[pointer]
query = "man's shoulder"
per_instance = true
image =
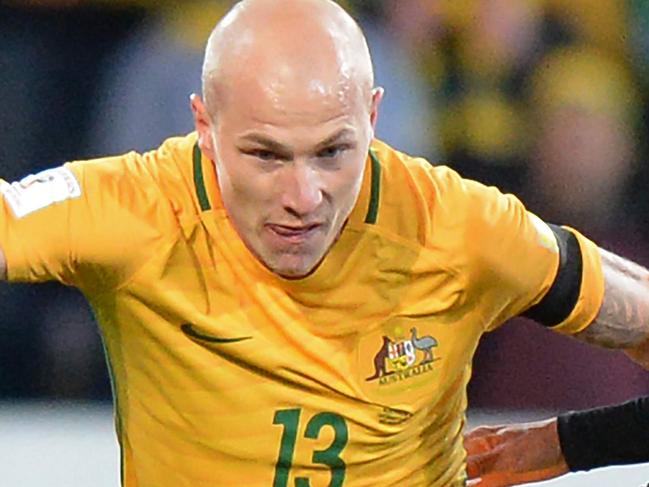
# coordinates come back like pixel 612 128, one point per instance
pixel 417 195
pixel 173 169
pixel 178 149
pixel 423 178
pixel 172 162
pixel 172 159
pixel 138 182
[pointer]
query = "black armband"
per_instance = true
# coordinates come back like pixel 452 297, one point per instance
pixel 614 435
pixel 563 295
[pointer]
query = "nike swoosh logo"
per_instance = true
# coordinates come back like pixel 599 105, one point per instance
pixel 189 330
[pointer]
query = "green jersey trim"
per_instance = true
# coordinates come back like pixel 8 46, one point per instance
pixel 199 180
pixel 375 192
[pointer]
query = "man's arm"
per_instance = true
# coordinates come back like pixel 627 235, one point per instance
pixel 623 319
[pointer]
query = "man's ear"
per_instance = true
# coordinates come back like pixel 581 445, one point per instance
pixel 377 96
pixel 203 125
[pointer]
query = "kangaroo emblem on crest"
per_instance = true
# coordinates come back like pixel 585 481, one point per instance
pixel 379 360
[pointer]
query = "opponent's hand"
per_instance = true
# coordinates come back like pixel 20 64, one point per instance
pixel 514 454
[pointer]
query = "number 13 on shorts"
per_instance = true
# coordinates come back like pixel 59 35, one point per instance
pixel 289 419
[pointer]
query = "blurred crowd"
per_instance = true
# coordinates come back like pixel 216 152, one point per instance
pixel 543 98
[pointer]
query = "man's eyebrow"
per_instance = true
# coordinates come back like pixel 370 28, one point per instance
pixel 267 142
pixel 335 137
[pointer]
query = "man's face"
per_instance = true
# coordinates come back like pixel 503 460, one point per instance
pixel 290 165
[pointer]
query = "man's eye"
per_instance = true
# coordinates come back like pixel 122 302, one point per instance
pixel 264 155
pixel 331 152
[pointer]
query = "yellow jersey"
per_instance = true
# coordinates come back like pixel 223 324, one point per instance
pixel 225 374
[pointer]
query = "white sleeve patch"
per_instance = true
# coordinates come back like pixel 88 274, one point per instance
pixel 545 233
pixel 38 191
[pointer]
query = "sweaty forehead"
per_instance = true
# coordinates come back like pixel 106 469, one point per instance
pixel 290 87
pixel 289 55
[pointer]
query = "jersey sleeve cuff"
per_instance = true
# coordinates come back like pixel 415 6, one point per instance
pixel 592 289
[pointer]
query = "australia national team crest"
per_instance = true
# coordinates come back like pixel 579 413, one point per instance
pixel 398 359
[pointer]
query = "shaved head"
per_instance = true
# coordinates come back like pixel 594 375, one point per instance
pixel 287 117
pixel 305 47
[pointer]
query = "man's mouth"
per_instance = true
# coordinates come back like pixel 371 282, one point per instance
pixel 294 233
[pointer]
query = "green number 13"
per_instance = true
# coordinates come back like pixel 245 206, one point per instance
pixel 289 419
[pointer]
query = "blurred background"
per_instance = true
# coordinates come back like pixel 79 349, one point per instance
pixel 543 98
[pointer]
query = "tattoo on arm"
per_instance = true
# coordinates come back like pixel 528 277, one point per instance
pixel 623 319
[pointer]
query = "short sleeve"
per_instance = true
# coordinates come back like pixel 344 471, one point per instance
pixel 514 259
pixel 591 294
pixel 90 224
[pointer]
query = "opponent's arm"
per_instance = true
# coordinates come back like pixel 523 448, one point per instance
pixel 500 456
pixel 623 319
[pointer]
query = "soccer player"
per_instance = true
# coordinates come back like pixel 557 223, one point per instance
pixel 285 300
pixel 504 455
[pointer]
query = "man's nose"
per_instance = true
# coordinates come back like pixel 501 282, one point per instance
pixel 301 191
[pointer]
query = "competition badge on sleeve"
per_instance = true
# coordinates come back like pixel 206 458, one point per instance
pixel 39 191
